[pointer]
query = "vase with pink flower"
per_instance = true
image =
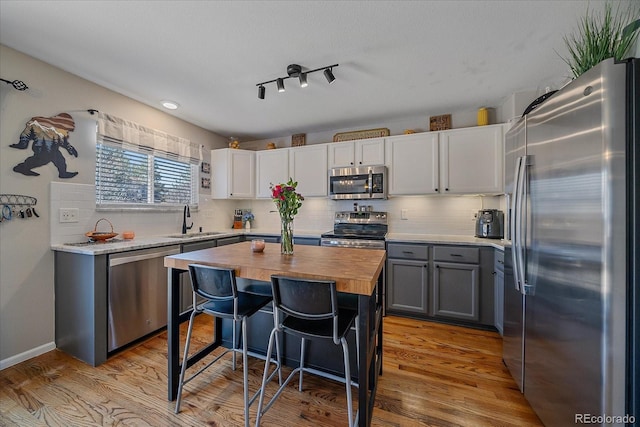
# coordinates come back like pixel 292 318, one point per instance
pixel 288 201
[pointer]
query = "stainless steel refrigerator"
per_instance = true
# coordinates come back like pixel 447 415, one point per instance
pixel 571 315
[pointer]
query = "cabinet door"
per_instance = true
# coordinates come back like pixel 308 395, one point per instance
pixel 308 166
pixel 232 174
pixel 241 174
pixel 456 291
pixel 498 283
pixel 412 161
pixel 369 152
pixel 341 155
pixel 471 160
pixel 407 286
pixel 272 167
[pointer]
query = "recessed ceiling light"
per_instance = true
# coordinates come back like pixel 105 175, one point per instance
pixel 170 105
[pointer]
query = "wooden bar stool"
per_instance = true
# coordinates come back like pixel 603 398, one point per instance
pixel 308 309
pixel 222 299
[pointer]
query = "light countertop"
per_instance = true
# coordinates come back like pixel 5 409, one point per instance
pixel 445 239
pixel 122 245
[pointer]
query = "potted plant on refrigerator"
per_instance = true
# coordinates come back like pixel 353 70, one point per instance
pixel 601 36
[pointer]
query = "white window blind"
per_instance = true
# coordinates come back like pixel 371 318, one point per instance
pixel 139 167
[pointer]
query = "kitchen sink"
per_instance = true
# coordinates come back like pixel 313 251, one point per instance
pixel 188 235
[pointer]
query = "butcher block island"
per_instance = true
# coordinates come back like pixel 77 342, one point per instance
pixel 359 280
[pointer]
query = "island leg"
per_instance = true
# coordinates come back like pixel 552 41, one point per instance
pixel 173 332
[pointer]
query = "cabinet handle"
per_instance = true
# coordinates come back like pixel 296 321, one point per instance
pixel 360 162
pixel 437 189
pixel 446 189
pixel 351 163
pixel 457 255
pixel 494 273
pixel 407 252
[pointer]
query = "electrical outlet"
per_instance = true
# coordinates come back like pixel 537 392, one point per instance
pixel 69 214
pixel 403 214
pixel 474 215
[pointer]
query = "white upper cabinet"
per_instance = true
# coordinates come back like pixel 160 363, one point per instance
pixel 412 163
pixel 232 174
pixel 366 152
pixel 308 166
pixel 272 167
pixel 472 160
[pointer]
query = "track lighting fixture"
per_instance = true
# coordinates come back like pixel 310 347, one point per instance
pixel 295 70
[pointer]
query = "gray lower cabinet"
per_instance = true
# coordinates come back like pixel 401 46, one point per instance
pixel 498 284
pixel 407 279
pixel 456 291
pixel 186 292
pixel 310 241
pixel 451 283
pixel 266 238
pixel 229 240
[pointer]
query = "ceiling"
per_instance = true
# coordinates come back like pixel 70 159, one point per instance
pixel 397 59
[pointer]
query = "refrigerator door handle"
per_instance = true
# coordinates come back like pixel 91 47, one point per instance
pixel 515 220
pixel 522 225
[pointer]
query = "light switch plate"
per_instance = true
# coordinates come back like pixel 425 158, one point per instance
pixel 403 214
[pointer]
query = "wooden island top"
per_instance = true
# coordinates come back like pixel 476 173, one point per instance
pixel 355 271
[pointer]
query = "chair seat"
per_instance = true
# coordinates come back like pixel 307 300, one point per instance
pixel 319 328
pixel 248 304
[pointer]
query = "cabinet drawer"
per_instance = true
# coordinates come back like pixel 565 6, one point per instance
pixel 456 254
pixel 407 251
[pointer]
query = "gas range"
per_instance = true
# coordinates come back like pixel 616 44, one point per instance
pixel 366 230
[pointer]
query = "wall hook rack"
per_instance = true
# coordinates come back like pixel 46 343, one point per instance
pixel 17 200
pixel 17 205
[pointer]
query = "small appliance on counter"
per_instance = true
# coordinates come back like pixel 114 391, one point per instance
pixel 237 219
pixel 490 224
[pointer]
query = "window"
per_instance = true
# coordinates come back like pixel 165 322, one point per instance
pixel 126 177
pixel 141 167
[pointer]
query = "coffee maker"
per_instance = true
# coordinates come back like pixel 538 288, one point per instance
pixel 490 224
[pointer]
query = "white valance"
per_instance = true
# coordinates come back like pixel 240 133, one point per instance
pixel 135 137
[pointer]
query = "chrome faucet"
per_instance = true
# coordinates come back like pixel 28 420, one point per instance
pixel 186 214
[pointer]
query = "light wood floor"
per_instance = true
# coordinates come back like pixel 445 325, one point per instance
pixel 434 375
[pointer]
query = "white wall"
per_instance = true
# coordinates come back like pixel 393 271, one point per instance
pixel 26 262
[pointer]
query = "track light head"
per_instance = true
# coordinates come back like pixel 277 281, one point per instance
pixel 329 75
pixel 303 80
pixel 280 83
pixel 261 91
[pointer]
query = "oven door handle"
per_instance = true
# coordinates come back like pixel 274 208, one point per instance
pixel 370 183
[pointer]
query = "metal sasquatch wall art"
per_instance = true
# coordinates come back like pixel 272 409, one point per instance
pixel 48 135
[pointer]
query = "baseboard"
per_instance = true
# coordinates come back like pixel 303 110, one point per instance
pixel 14 360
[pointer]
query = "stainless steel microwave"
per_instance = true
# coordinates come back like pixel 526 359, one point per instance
pixel 364 182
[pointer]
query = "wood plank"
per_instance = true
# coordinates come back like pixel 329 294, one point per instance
pixel 434 375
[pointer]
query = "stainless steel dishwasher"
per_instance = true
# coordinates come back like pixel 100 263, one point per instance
pixel 137 294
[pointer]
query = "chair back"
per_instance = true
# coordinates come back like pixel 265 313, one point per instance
pixel 305 299
pixel 213 283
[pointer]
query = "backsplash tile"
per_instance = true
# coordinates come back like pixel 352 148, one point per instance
pixel 443 215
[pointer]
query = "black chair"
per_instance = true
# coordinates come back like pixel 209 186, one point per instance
pixel 222 299
pixel 308 309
